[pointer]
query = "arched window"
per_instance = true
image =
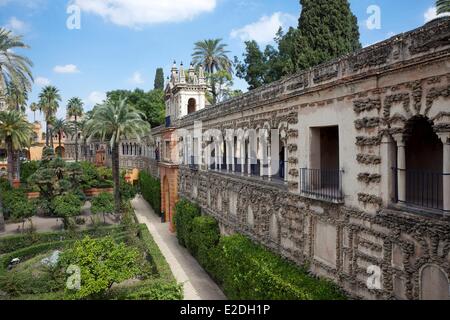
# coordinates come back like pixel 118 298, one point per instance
pixel 192 105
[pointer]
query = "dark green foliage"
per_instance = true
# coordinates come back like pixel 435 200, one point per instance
pixel 245 270
pixel 27 169
pixel 103 203
pixel 203 239
pixel 66 206
pixel 327 30
pixel 16 204
pixel 150 103
pixel 151 190
pixel 185 212
pixel 94 177
pixel 159 79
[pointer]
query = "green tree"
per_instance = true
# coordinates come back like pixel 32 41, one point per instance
pixel 14 69
pixel 103 204
pixel 114 121
pixel 327 30
pixel 16 131
pixel 150 103
pixel 254 68
pixel 34 107
pixel 75 110
pixel 16 97
pixel 49 100
pixel 443 6
pixel 103 262
pixel 159 79
pixel 66 206
pixel 211 55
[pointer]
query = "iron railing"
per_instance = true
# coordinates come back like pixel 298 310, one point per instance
pixel 322 184
pixel 423 188
pixel 193 164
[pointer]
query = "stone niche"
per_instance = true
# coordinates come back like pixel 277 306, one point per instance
pixel 325 237
pixel 434 283
pixel 250 217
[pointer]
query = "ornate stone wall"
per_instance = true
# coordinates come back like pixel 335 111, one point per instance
pixel 370 96
pixel 338 242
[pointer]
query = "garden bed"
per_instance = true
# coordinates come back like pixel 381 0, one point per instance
pixel 30 279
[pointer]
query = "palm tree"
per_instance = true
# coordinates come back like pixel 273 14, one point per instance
pixel 15 131
pixel 75 110
pixel 14 68
pixel 61 127
pixel 16 97
pixel 443 6
pixel 211 54
pixel 114 121
pixel 49 100
pixel 34 107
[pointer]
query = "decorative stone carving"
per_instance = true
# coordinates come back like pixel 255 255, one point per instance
pixel 368 141
pixel 368 159
pixel 369 178
pixel 366 105
pixel 396 98
pixel 430 37
pixel 371 58
pixel 367 123
pixel 369 199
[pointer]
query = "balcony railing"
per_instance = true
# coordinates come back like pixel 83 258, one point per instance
pixel 193 164
pixel 322 184
pixel 424 189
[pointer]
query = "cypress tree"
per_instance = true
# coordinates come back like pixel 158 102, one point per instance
pixel 327 29
pixel 159 79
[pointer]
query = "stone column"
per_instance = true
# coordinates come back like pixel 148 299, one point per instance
pixel 387 180
pixel 242 157
pixel 233 156
pixel 269 162
pixel 227 154
pixel 445 137
pixel 401 167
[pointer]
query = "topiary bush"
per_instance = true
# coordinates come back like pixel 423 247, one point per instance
pixel 204 237
pixel 66 207
pixel 151 190
pixel 185 212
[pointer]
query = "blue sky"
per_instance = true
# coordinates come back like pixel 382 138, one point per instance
pixel 122 42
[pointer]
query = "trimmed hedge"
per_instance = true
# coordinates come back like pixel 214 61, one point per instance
pixel 151 190
pixel 185 213
pixel 17 242
pixel 245 270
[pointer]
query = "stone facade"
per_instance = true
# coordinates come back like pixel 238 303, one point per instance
pixel 353 114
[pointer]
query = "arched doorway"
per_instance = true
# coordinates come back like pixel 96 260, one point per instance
pixel 60 151
pixel 192 105
pixel 424 164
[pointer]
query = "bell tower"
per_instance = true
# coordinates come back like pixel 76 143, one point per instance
pixel 185 91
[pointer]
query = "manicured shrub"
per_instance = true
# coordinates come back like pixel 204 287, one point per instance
pixel 151 190
pixel 66 207
pixel 245 270
pixel 185 212
pixel 204 237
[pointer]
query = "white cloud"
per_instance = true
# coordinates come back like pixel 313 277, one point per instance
pixel 431 14
pixel 42 82
pixel 96 97
pixel 138 13
pixel 263 31
pixel 136 78
pixel 68 68
pixel 16 25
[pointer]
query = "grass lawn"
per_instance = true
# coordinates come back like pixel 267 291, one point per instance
pixel 33 280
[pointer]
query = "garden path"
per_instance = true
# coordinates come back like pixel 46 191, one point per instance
pixel 198 285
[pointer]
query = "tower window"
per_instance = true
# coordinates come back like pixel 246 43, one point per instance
pixel 192 106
